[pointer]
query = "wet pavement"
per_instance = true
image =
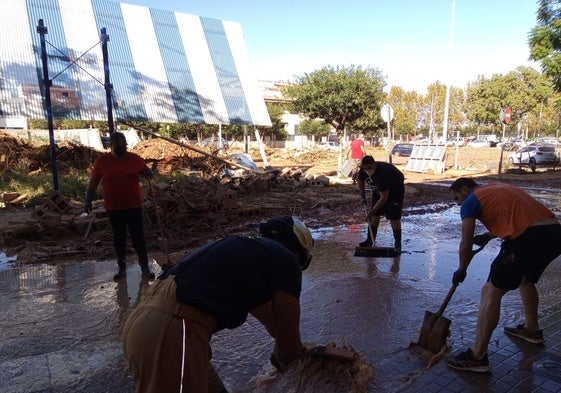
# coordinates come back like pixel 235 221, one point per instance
pixel 60 323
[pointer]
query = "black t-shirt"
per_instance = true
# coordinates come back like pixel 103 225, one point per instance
pixel 229 277
pixel 386 177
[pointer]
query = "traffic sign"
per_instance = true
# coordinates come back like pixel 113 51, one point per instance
pixel 505 115
pixel 387 113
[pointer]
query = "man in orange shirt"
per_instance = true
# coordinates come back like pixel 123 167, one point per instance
pixel 531 240
pixel 120 172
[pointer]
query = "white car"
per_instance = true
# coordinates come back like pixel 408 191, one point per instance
pixel 535 155
pixel 479 143
pixel 328 145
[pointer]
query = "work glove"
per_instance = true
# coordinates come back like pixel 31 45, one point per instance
pixel 88 200
pixel 363 201
pixel 459 276
pixel 482 240
pixel 363 198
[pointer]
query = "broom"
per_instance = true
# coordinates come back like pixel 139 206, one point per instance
pixel 375 252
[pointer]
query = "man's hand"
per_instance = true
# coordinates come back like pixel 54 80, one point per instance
pixel 88 200
pixel 459 276
pixel 363 201
pixel 482 240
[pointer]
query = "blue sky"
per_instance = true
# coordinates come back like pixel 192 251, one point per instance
pixel 408 40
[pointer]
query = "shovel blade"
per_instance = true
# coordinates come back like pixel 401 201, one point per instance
pixel 434 332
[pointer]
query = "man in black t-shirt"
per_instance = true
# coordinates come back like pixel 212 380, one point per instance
pixel 167 336
pixel 388 189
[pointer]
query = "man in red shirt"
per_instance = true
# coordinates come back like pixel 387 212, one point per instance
pixel 120 172
pixel 357 153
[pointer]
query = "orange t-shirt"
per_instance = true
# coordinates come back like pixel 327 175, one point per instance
pixel 120 177
pixel 505 210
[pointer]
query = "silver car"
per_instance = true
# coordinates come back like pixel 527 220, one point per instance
pixel 535 155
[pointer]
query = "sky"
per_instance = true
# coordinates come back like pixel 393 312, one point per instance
pixel 413 43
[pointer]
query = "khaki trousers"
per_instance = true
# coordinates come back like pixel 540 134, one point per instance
pixel 167 344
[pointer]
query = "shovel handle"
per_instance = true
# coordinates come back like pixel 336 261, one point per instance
pixel 446 300
pixel 452 290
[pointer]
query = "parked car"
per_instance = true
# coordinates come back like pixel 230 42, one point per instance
pixel 535 155
pixel 479 143
pixel 329 145
pixel 548 140
pixel 402 149
pixel 453 141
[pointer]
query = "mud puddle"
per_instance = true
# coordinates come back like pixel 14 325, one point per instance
pixel 61 323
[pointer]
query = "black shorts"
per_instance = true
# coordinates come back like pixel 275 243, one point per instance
pixel 526 256
pixel 392 209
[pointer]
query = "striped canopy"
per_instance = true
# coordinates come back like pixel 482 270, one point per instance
pixel 164 66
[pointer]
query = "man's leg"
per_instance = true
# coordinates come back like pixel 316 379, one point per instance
pixel 487 318
pixel 119 229
pixel 396 229
pixel 530 301
pixel 372 232
pixel 135 224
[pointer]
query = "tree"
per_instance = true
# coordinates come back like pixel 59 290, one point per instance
pixel 545 40
pixel 314 127
pixel 524 90
pixel 339 96
pixel 407 107
pixel 276 111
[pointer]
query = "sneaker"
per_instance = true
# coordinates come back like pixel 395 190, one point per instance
pixel 466 362
pixel 366 243
pixel 521 332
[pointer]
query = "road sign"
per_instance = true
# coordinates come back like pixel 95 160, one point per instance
pixel 505 115
pixel 387 113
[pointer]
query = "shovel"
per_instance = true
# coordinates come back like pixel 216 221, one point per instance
pixel 436 328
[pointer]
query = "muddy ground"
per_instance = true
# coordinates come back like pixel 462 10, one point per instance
pixel 199 204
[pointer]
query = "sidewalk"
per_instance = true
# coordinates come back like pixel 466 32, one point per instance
pixel 516 366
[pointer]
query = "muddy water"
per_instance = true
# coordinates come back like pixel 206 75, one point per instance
pixel 60 323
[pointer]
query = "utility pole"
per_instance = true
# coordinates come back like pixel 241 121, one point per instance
pixel 42 30
pixel 448 72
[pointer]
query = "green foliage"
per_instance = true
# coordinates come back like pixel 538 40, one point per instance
pixel 525 90
pixel 39 185
pixel 276 111
pixel 314 127
pixel 545 40
pixel 337 95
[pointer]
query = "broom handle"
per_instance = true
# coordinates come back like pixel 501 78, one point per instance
pixel 369 226
pixel 165 246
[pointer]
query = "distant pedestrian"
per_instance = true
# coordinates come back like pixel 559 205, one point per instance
pixel 531 240
pixel 119 172
pixel 388 191
pixel 357 152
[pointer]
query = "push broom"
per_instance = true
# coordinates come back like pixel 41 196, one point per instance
pixel 374 252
